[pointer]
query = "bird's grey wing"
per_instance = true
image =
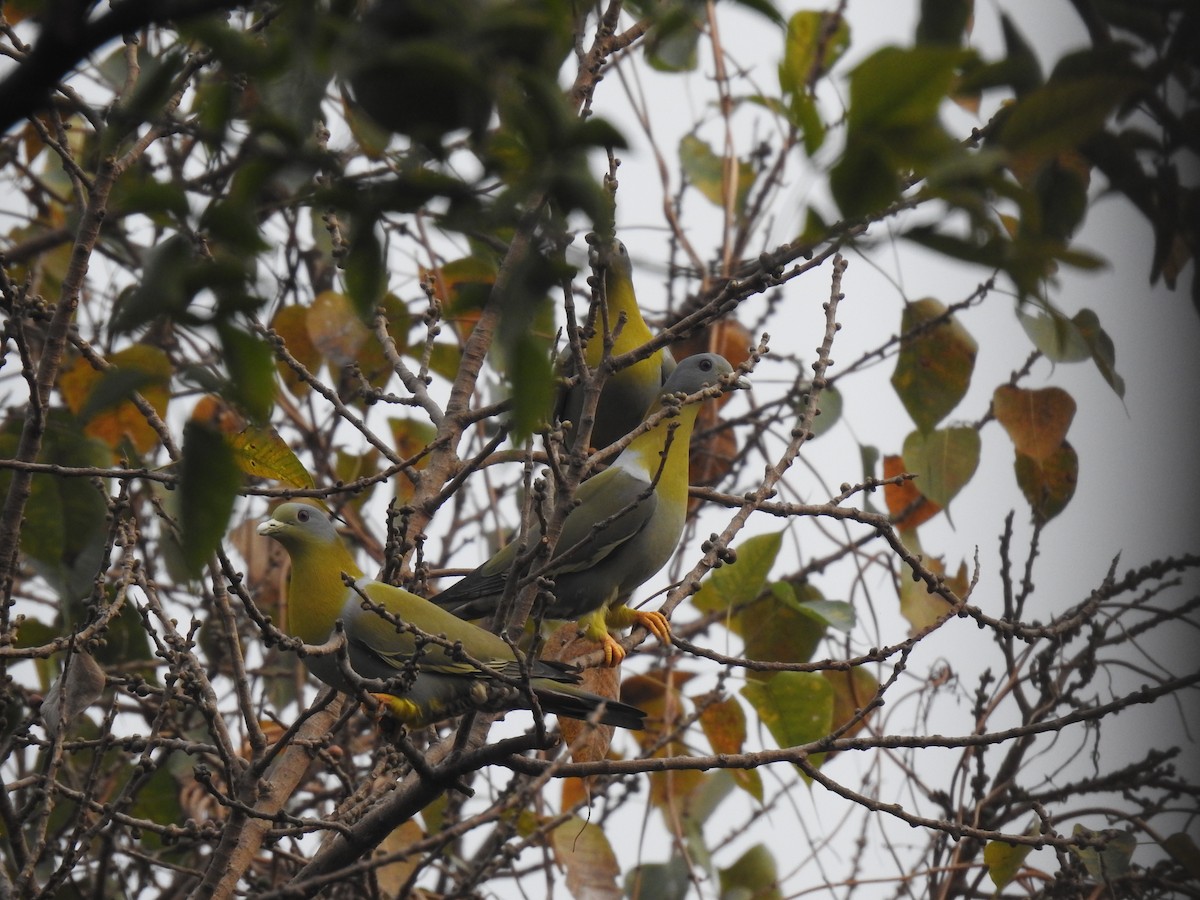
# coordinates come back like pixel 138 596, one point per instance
pixel 613 508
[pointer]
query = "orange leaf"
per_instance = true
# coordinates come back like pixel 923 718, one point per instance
pixel 714 448
pixel 410 437
pixel 100 396
pixel 658 694
pixel 216 412
pixel 1037 421
pixel 851 692
pixel 724 724
pixel 462 285
pixel 907 505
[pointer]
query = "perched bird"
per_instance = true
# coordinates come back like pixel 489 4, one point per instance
pixel 432 680
pixel 626 524
pixel 627 393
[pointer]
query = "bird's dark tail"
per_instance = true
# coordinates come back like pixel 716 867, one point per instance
pixel 575 703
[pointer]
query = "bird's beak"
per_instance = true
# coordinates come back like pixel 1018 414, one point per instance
pixel 269 527
pixel 736 384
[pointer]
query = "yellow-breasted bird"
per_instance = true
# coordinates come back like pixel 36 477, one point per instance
pixel 625 394
pixel 626 524
pixel 430 679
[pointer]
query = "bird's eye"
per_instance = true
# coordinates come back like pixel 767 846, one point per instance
pixel 302 515
pixel 706 364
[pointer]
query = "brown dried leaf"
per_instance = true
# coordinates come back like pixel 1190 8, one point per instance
pixel 587 742
pixel 1036 421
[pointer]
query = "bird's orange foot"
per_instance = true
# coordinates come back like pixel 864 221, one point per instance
pixel 655 623
pixel 614 653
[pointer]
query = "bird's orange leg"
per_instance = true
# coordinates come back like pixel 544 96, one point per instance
pixel 652 620
pixel 594 626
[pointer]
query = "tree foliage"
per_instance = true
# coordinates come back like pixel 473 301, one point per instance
pixel 267 250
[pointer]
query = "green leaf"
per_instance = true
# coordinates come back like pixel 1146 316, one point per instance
pixel 533 385
pixel 209 480
pixel 901 86
pixel 1104 353
pixel 829 411
pixel 659 881
pixel 671 44
pixel 366 275
pixel 699 807
pixel 944 21
pixel 1026 72
pixel 251 366
pixel 1111 859
pixel 1058 337
pixel 869 455
pixel 832 613
pixel 752 877
pixel 893 126
pixel 1048 482
pixel 935 363
pixel 804 114
pixel 164 288
pixel 158 800
pixel 796 707
pixel 706 170
pixel 776 628
pixel 444 359
pixel 63 535
pixel 866 179
pixel 741 582
pixel 1061 114
pixel 1184 851
pixel 808 44
pixel 943 461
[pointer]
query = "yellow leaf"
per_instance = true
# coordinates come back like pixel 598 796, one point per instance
pixel 291 323
pixel 392 876
pixel 335 328
pixel 261 452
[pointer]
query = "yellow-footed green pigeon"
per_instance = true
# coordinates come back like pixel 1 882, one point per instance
pixel 626 524
pixel 625 394
pixel 428 680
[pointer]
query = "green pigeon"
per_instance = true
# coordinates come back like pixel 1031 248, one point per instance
pixel 627 393
pixel 626 524
pixel 431 681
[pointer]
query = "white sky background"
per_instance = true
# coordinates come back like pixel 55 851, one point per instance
pixel 1138 477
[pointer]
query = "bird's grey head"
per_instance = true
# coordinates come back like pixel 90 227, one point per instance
pixel 701 371
pixel 298 522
